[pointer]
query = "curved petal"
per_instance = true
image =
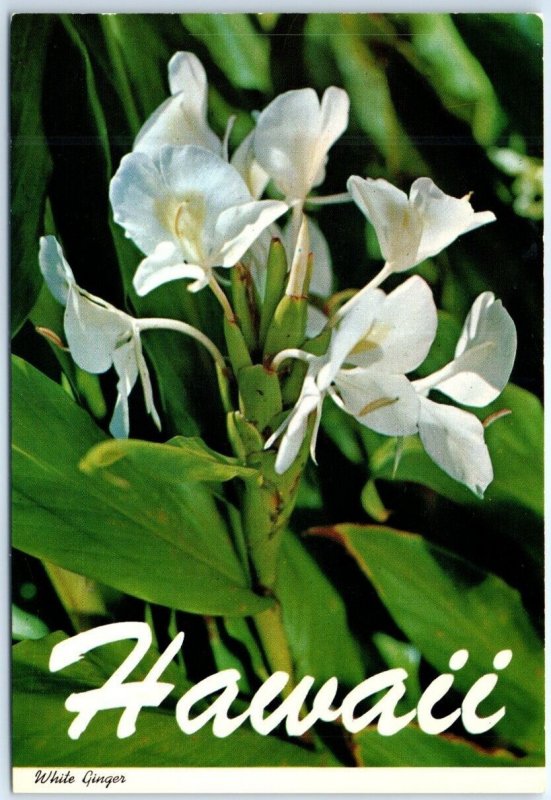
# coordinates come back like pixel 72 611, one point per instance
pixel 352 328
pixel 402 331
pixel 293 135
pixel 297 426
pixel 387 404
pixel 93 330
pixel 388 210
pixel 126 367
pixel 454 439
pixel 444 217
pixel 142 202
pixel 177 124
pixel 187 74
pixel 321 282
pixel 485 355
pixel 164 265
pixel 237 228
pixel 56 271
pixel 248 167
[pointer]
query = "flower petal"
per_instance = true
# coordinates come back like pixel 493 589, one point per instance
pixel 297 425
pixel 352 328
pixel 321 282
pixel 237 228
pixel 454 439
pixel 485 355
pixel 444 217
pixel 142 203
pixel 402 331
pixel 56 271
pixel 388 210
pixel 125 363
pixel 293 135
pixel 164 265
pixel 387 404
pixel 248 167
pixel 181 119
pixel 93 330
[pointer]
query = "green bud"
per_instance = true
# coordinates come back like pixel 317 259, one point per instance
pixel 245 303
pixel 245 439
pixel 288 326
pixel 237 346
pixel 276 279
pixel 259 395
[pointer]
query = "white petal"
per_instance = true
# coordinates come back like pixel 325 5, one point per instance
pixel 176 124
pixel 124 361
pixel 387 404
pixel 352 328
pixel 388 210
pixel 181 119
pixel 321 282
pixel 297 426
pixel 93 330
pixel 293 135
pixel 237 228
pixel 454 439
pixel 56 271
pixel 248 167
pixel 142 203
pixel 485 355
pixel 164 265
pixel 444 217
pixel 187 74
pixel 402 330
pixel 146 383
pixel 315 322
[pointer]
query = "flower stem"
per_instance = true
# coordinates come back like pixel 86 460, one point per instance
pixel 222 299
pixel 160 323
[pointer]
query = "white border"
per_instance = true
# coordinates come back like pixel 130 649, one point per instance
pixel 350 780
pixel 518 779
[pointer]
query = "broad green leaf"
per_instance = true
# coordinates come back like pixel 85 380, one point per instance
pixel 515 443
pixel 443 604
pixel 411 747
pixel 163 543
pixel 455 74
pixel 241 52
pixel 181 460
pixel 405 656
pixel 41 737
pixel 25 625
pixel 314 616
pixel 30 160
pixel 366 82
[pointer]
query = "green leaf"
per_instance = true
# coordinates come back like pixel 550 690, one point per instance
pixel 241 52
pixel 41 737
pixel 180 460
pixel 443 604
pixel 25 625
pixel 372 503
pixel 411 747
pixel 314 617
pixel 30 160
pixel 163 543
pixel 455 74
pixel 515 443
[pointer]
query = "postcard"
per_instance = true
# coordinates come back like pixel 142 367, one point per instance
pixel 276 403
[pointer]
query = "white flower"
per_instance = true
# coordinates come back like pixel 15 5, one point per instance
pixel 182 118
pixel 293 136
pixel 412 229
pixel 375 345
pixel 99 335
pixel 477 375
pixel 188 211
